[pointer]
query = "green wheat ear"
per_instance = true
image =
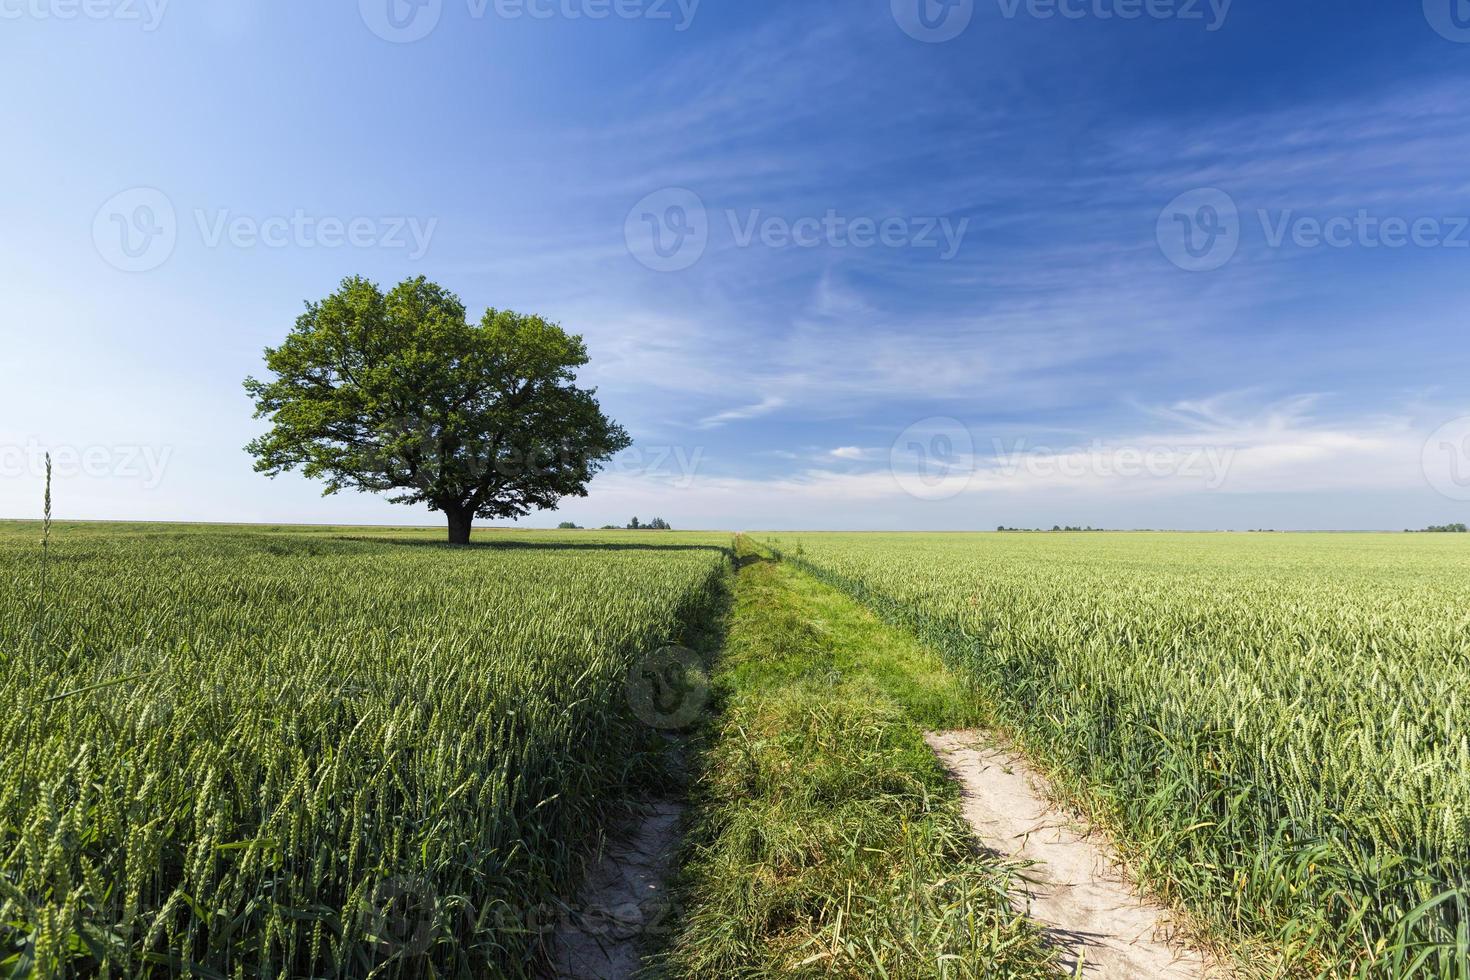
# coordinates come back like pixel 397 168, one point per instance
pixel 46 524
pixel 45 537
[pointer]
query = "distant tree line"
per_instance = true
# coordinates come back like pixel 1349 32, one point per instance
pixel 1037 530
pixel 1442 529
pixel 657 524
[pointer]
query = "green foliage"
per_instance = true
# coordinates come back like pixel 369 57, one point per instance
pixel 1275 726
pixel 827 841
pixel 255 753
pixel 400 394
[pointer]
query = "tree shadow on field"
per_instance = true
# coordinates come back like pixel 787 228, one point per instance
pixel 535 545
pixel 742 561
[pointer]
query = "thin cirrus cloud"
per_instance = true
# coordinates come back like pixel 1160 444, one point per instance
pixel 785 374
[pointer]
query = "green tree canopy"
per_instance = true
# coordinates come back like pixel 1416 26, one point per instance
pixel 400 394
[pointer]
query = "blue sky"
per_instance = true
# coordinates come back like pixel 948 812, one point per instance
pixel 907 283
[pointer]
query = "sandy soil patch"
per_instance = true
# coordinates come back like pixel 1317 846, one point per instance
pixel 1074 889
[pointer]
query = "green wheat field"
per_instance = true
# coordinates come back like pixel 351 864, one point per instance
pixel 1276 723
pixel 249 751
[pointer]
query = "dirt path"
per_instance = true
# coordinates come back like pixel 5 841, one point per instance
pixel 1073 890
pixel 624 900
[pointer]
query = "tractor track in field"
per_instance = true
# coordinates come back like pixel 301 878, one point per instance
pixel 1073 889
pixel 625 899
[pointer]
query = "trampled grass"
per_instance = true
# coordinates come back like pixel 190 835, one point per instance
pixel 277 752
pixel 1275 725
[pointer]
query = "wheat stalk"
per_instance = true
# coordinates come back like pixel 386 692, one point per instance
pixel 36 628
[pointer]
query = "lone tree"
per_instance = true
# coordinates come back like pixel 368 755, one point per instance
pixel 401 394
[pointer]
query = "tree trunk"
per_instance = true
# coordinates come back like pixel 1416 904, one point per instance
pixel 461 519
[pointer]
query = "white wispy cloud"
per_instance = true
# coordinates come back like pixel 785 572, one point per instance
pixel 1278 447
pixel 763 407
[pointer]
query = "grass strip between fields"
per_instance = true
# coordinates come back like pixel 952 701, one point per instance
pixel 826 839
